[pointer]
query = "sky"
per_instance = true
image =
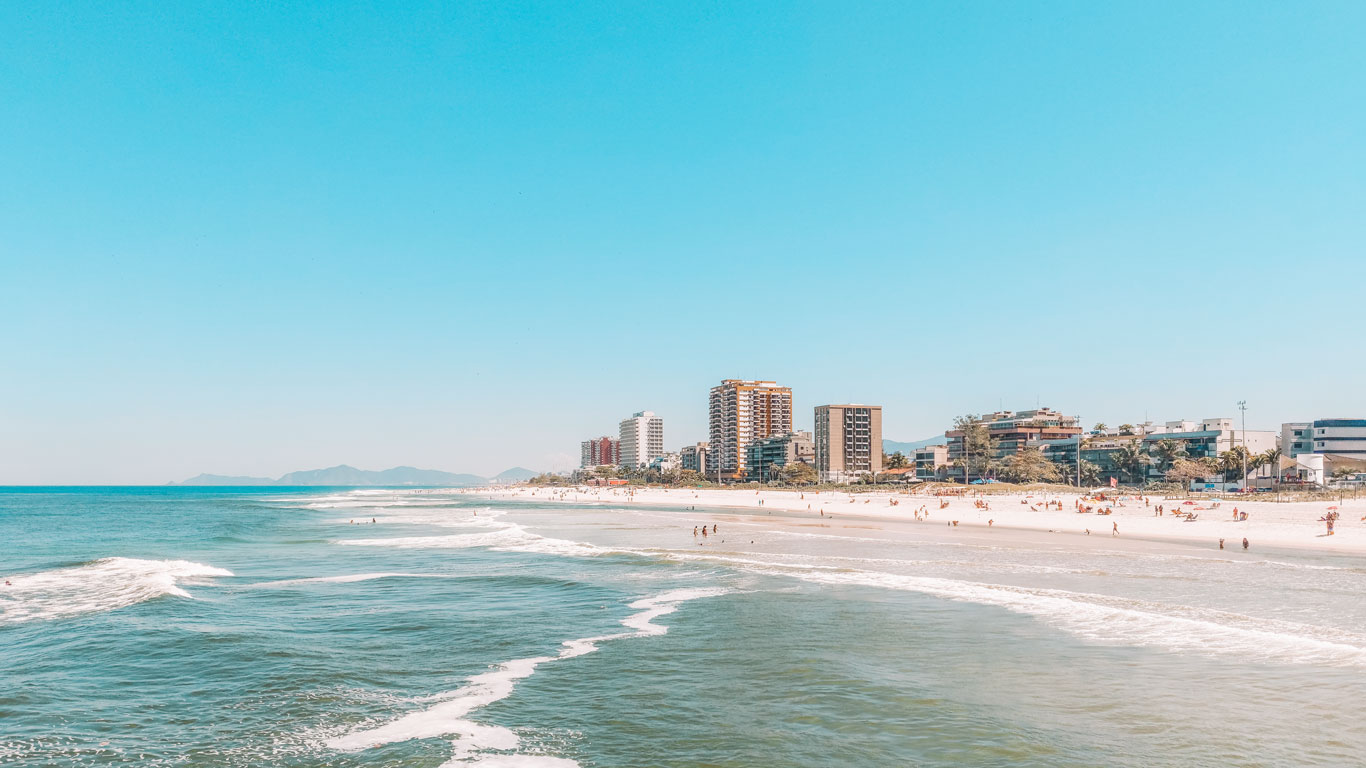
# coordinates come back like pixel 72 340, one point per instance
pixel 251 238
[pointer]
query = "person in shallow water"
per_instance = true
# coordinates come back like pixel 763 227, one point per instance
pixel 1244 542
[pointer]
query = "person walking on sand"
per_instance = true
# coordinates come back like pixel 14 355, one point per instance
pixel 694 531
pixel 1115 530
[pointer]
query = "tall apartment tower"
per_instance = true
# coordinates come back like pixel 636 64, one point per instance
pixel 599 451
pixel 848 441
pixel 742 412
pixel 642 439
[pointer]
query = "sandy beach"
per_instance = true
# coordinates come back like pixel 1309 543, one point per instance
pixel 1284 525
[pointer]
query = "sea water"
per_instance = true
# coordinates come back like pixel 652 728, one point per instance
pixel 311 627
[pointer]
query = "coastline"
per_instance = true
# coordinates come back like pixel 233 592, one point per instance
pixel 1285 525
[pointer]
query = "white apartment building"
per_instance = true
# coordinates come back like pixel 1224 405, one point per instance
pixel 642 439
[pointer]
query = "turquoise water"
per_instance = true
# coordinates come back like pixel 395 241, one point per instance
pixel 224 627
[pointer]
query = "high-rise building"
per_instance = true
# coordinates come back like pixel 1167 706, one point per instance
pixel 848 441
pixel 642 439
pixel 694 457
pixel 768 455
pixel 599 451
pixel 740 413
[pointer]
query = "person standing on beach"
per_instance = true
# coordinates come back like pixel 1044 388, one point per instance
pixel 1244 542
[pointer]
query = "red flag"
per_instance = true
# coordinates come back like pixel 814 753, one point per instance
pixel 1114 482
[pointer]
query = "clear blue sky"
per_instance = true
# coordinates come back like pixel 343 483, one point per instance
pixel 253 238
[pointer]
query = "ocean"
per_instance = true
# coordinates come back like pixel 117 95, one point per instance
pixel 337 627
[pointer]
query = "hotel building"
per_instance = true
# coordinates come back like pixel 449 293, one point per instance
pixel 848 441
pixel 642 439
pixel 740 413
pixel 768 455
pixel 694 457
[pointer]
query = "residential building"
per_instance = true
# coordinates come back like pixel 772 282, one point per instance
pixel 848 441
pixel 642 439
pixel 669 462
pixel 1205 439
pixel 1014 431
pixel 694 457
pixel 599 451
pixel 1296 438
pixel 767 455
pixel 931 462
pixel 1340 437
pixel 741 412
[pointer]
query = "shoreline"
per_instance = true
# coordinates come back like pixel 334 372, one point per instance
pixel 1283 525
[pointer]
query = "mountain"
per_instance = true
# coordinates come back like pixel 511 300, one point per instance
pixel 206 479
pixel 892 446
pixel 514 475
pixel 344 475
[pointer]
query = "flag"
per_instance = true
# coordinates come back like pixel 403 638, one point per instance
pixel 1114 482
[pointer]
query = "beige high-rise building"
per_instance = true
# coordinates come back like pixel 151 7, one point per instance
pixel 848 441
pixel 742 412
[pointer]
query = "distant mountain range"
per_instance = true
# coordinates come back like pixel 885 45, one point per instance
pixel 892 446
pixel 350 476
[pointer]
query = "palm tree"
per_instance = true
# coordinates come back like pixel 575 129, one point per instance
pixel 1100 427
pixel 1272 457
pixel 1132 459
pixel 1167 452
pixel 1126 429
pixel 1231 462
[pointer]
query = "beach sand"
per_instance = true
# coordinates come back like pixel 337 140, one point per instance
pixel 1285 525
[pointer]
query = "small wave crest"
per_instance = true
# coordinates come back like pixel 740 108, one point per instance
pixel 100 585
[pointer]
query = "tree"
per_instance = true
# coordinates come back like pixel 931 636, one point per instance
pixel 1272 457
pixel 1131 459
pixel 797 473
pixel 1186 471
pixel 979 448
pixel 1100 427
pixel 1232 461
pixel 1167 452
pixel 1031 466
pixel 895 461
pixel 1090 473
pixel 1126 429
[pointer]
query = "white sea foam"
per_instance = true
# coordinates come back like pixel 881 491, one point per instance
pixel 351 578
pixel 512 538
pixel 448 716
pixel 1106 619
pixel 101 585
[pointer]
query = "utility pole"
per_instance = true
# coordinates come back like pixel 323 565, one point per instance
pixel 1242 406
pixel 1079 452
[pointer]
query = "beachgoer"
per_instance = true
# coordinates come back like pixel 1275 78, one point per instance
pixel 1244 542
pixel 1115 531
pixel 989 522
pixel 1221 543
pixel 713 527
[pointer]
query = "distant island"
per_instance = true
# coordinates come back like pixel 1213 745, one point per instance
pixel 344 475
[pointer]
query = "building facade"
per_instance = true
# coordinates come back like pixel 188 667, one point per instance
pixel 741 412
pixel 1013 432
pixel 1296 438
pixel 599 451
pixel 768 455
pixel 694 457
pixel 931 462
pixel 1340 437
pixel 1206 439
pixel 642 439
pixel 848 441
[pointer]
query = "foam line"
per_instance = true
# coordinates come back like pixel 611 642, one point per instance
pixel 100 585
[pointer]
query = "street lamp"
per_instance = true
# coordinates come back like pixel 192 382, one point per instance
pixel 1242 406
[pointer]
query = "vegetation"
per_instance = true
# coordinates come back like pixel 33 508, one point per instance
pixel 797 473
pixel 1090 473
pixel 1186 471
pixel 895 461
pixel 979 448
pixel 1167 452
pixel 1126 429
pixel 1232 461
pixel 1031 466
pixel 1131 460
